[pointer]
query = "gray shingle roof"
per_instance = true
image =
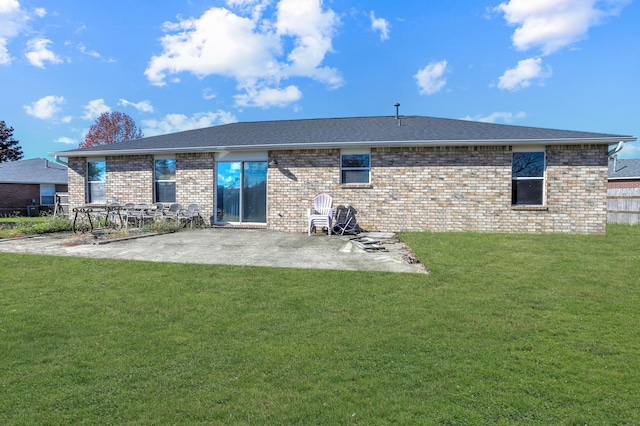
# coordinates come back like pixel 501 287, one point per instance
pixel 345 132
pixel 33 171
pixel 624 169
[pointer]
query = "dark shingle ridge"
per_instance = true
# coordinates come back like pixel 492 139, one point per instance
pixel 346 131
pixel 33 171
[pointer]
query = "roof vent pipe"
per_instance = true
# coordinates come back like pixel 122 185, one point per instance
pixel 397 105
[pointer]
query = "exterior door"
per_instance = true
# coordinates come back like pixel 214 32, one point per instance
pixel 241 195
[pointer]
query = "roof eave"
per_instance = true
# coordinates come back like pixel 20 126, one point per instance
pixel 33 183
pixel 625 178
pixel 315 145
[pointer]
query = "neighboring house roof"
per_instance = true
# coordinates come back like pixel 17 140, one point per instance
pixel 346 132
pixel 33 171
pixel 624 169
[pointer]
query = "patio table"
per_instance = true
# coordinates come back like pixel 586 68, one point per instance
pixel 83 220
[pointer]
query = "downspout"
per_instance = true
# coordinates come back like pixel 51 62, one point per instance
pixel 612 154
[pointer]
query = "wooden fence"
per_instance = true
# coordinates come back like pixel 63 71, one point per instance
pixel 623 206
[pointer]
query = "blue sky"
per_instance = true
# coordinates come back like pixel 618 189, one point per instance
pixel 178 65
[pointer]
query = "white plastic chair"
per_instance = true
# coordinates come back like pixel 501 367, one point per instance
pixel 321 214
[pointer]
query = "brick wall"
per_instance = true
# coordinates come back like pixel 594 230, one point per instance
pixel 15 197
pixel 622 184
pixel 444 189
pixel 194 181
pixel 130 179
pixel 421 188
pixel 77 170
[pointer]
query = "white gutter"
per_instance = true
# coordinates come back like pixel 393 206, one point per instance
pixel 617 149
pixel 314 145
pixel 58 160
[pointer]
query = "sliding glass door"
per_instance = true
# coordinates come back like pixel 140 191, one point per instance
pixel 241 192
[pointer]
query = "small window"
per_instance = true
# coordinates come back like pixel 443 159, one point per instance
pixel 47 195
pixel 527 178
pixel 165 180
pixel 97 181
pixel 355 168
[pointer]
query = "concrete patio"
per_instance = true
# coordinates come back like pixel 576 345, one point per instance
pixel 247 247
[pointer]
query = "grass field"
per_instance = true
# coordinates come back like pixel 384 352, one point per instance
pixel 506 329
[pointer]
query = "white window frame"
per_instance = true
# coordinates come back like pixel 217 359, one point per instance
pixel 47 190
pixel 543 178
pixel 156 181
pixel 355 151
pixel 96 160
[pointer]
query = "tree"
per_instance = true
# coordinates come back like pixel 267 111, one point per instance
pixel 111 127
pixel 9 148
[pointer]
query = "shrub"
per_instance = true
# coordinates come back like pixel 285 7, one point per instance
pixel 29 226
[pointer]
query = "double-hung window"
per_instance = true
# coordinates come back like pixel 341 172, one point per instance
pixel 527 178
pixel 165 180
pixel 96 180
pixel 355 166
pixel 47 195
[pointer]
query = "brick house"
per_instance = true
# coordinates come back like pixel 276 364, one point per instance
pixel 624 174
pixel 399 172
pixel 29 186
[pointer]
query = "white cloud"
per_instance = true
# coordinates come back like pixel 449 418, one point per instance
pixel 268 97
pixel 431 79
pixel 219 42
pixel 554 24
pixel 45 108
pixel 40 12
pixel 13 20
pixel 38 52
pixel 253 7
pixel 172 123
pixel 94 108
pixel 66 140
pixel 380 24
pixel 505 117
pixel 208 94
pixel 312 30
pixel 5 57
pixel 83 49
pixel 250 45
pixel 630 151
pixel 521 77
pixel 142 106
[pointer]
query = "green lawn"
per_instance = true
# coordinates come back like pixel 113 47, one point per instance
pixel 507 329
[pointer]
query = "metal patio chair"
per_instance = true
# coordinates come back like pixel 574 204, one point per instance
pixel 153 213
pixel 193 212
pixel 346 221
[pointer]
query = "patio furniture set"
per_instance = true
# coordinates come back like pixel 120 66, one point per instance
pixel 120 216
pixel 322 215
